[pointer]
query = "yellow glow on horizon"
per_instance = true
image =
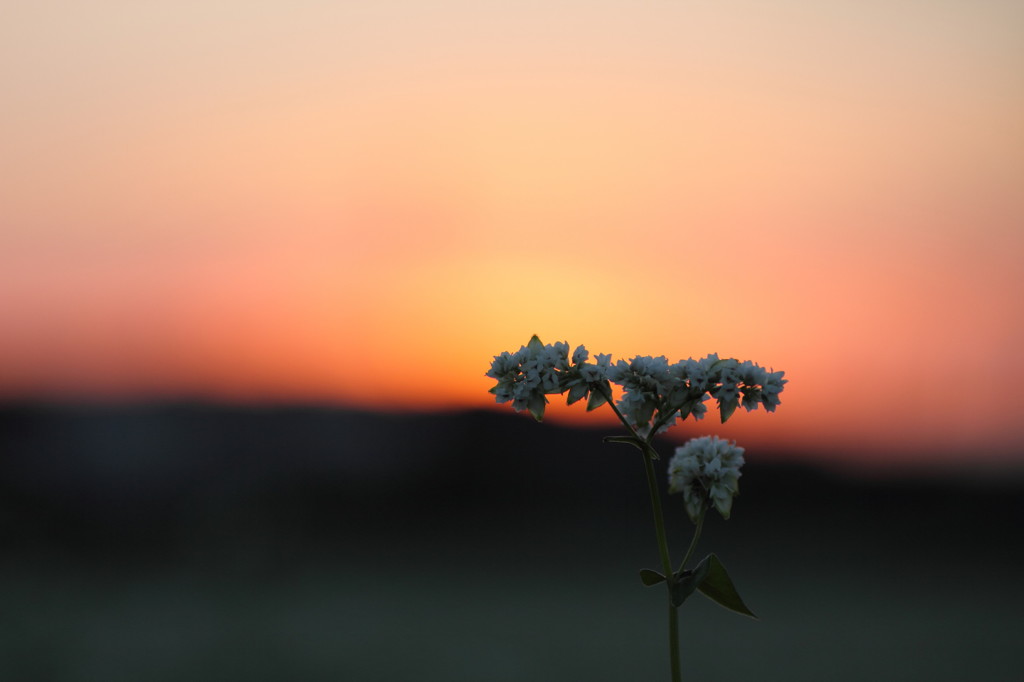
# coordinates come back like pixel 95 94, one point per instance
pixel 362 203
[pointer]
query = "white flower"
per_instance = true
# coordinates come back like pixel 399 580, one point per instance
pixel 699 409
pixel 770 390
pixel 655 394
pixel 524 377
pixel 594 373
pixel 506 369
pixel 728 378
pixel 583 378
pixel 706 469
pixel 645 380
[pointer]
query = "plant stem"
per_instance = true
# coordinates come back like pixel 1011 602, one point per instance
pixel 650 454
pixel 666 561
pixel 696 535
pixel 610 402
pixel 673 640
pixel 659 519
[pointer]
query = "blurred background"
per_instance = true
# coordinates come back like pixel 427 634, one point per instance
pixel 255 259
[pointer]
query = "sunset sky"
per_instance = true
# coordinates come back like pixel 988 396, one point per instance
pixel 360 203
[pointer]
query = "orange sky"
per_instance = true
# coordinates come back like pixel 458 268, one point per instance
pixel 364 202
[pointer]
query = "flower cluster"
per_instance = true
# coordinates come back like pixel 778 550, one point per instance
pixel 536 370
pixel 655 393
pixel 706 469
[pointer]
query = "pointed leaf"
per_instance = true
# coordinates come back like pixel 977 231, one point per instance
pixel 628 440
pixel 535 343
pixel 728 407
pixel 717 587
pixel 536 406
pixel 687 582
pixel 646 411
pixel 649 577
pixel 577 392
pixel 597 397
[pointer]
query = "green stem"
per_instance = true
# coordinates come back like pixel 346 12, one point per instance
pixel 650 454
pixel 696 535
pixel 662 420
pixel 610 402
pixel 673 640
pixel 659 517
pixel 666 561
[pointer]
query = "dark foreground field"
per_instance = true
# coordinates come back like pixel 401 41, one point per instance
pixel 201 543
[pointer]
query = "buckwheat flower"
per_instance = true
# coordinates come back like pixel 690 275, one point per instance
pixel 597 371
pixel 637 408
pixel 707 363
pixel 751 397
pixel 545 363
pixel 642 373
pixel 697 408
pixel 727 377
pixel 528 395
pixel 506 369
pixel 687 390
pixel 557 355
pixel 688 375
pixel 706 469
pixel 770 390
pixel 526 376
pixel 645 381
pixel 752 374
pixel 588 380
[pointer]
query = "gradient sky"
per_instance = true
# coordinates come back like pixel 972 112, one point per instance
pixel 363 202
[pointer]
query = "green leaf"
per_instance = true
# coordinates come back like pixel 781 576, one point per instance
pixel 687 582
pixel 717 587
pixel 577 392
pixel 628 440
pixel 597 397
pixel 536 406
pixel 649 577
pixel 727 408
pixel 646 411
pixel 535 343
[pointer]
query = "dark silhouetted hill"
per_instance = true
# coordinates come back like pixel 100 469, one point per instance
pixel 122 476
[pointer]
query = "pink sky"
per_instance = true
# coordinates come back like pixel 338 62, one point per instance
pixel 364 202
